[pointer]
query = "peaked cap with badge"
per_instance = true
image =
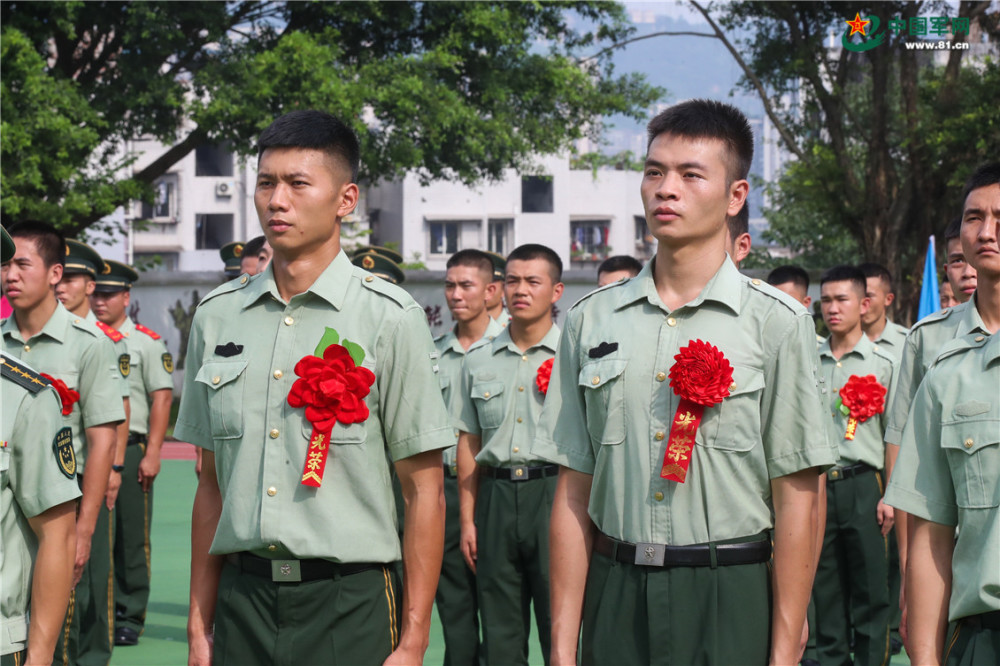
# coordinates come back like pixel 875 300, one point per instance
pixel 380 264
pixel 81 259
pixel 388 253
pixel 499 265
pixel 116 277
pixel 232 254
pixel 8 247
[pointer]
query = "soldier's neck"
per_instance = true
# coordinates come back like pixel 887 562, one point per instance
pixel 31 321
pixel 841 344
pixel 118 323
pixel 82 310
pixel 495 311
pixel 526 335
pixel 680 273
pixel 987 302
pixel 471 332
pixel 875 330
pixel 294 275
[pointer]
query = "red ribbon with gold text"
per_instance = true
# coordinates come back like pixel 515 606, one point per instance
pixel 331 389
pixel 860 399
pixel 701 376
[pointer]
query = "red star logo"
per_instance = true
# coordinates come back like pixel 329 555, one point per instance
pixel 858 25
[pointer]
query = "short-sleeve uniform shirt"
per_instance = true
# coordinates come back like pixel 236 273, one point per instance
pixel 151 370
pixel 500 399
pixel 610 407
pixel 121 351
pixel 74 350
pixel 31 482
pixel 892 340
pixel 245 343
pixel 948 470
pixel 865 359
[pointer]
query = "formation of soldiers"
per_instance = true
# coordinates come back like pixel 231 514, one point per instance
pixel 683 473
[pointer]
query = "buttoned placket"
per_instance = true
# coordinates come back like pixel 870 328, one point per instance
pixel 663 405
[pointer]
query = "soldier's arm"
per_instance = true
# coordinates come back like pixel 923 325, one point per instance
pixel 159 417
pixel 121 443
pixel 928 587
pixel 468 448
pixel 206 569
pixel 100 451
pixel 55 529
pixel 571 535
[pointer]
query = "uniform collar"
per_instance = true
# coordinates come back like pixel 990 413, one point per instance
pixel 864 348
pixel 450 341
pixel 971 322
pixel 127 326
pixel 503 341
pixel 55 327
pixel 331 285
pixel 991 350
pixel 887 332
pixel 725 288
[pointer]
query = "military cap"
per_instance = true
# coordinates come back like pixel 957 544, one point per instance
pixel 380 265
pixel 116 277
pixel 81 259
pixel 391 255
pixel 231 254
pixel 8 247
pixel 499 265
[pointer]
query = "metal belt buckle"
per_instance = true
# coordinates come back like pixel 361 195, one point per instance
pixel 286 571
pixel 650 554
pixel 835 474
pixel 519 473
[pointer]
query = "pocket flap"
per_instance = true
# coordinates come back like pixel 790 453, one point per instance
pixel 970 436
pixel 444 381
pixel 746 380
pixel 595 374
pixel 487 390
pixel 217 374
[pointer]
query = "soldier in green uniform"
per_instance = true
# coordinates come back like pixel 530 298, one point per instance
pixel 151 386
pixel 505 492
pixel 738 235
pixel 37 513
pixel 232 258
pixel 647 568
pixel 494 304
pixel 305 385
pixel 852 579
pixel 81 360
pixel 949 465
pixel 959 271
pixel 619 267
pixel 468 284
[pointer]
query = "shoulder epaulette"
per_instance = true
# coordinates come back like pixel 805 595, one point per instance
pixel 84 325
pixel 22 375
pixel 940 315
pixel 885 355
pixel 598 290
pixel 778 295
pixel 148 331
pixel 226 287
pixel 384 287
pixel 958 345
pixel 108 331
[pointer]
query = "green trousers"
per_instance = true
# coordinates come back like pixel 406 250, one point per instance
pixel 133 517
pixel 457 602
pixel 351 619
pixel 88 629
pixel 968 644
pixel 14 658
pixel 852 579
pixel 512 566
pixel 676 615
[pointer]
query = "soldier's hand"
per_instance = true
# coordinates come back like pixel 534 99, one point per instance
pixel 82 555
pixel 404 657
pixel 885 516
pixel 468 545
pixel 200 650
pixel 149 467
pixel 111 495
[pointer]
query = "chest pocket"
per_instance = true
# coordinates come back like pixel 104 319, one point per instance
pixel 734 425
pixel 489 404
pixel 973 450
pixel 603 386
pixel 445 383
pixel 225 382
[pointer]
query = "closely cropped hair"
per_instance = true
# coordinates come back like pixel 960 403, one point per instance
pixel 534 251
pixel 621 262
pixel 473 259
pixel 314 130
pixel 739 224
pixel 709 119
pixel 794 274
pixel 953 230
pixel 871 269
pixel 49 241
pixel 846 274
pixel 984 176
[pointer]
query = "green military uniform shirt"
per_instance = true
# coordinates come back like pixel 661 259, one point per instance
pixel 892 340
pixel 31 482
pixel 948 470
pixel 450 370
pixel 925 340
pixel 865 359
pixel 121 352
pixel 151 369
pixel 610 407
pixel 74 350
pixel 499 399
pixel 504 319
pixel 244 345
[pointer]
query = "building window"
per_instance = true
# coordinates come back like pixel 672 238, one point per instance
pixel 589 240
pixel 500 236
pixel 444 237
pixel 213 160
pixel 163 208
pixel 536 194
pixel 645 244
pixel 212 231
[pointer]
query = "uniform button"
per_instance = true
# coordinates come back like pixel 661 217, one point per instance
pixel 216 379
pixel 520 389
pixel 524 357
pixel 659 436
pixel 517 449
pixel 839 365
pixel 486 395
pixel 660 376
pixel 732 387
pixel 822 390
pixel 369 278
pixel 272 547
pixel 980 338
pixel 272 491
pixel 658 496
pixel 27 347
pixel 596 380
pixel 491 338
pixel 289 321
pixel 520 420
pixel 274 433
pixel 969 443
pixel 243 280
pixel 278 374
pixel 671 321
pixel 76 321
pixel 755 282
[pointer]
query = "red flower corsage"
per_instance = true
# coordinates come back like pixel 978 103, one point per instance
pixel 67 396
pixel 860 399
pixel 543 376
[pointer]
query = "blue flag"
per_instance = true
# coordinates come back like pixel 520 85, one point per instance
pixel 930 300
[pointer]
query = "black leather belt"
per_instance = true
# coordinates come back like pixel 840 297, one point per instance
pixel 661 555
pixel 451 471
pixel 135 438
pixel 847 471
pixel 295 571
pixel 989 621
pixel 521 472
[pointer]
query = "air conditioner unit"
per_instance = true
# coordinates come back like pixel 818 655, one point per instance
pixel 224 189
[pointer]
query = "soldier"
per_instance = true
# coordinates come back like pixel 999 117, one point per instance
pixel 250 262
pixel 620 267
pixel 505 492
pixel 151 386
pixel 794 281
pixel 495 304
pixel 38 516
pixel 84 369
pixel 232 258
pixel 305 384
pixel 380 263
pixel 663 511
pixel 738 235
pixel 467 286
pixel 947 295
pixel 958 271
pixel 887 334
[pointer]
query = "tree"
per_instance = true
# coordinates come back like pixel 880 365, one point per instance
pixel 453 90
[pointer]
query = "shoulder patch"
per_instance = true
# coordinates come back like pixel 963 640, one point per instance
pixel 108 331
pixel 22 375
pixel 62 447
pixel 148 331
pixel 125 364
pixel 168 363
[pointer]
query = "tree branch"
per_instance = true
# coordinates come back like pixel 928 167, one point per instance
pixel 631 40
